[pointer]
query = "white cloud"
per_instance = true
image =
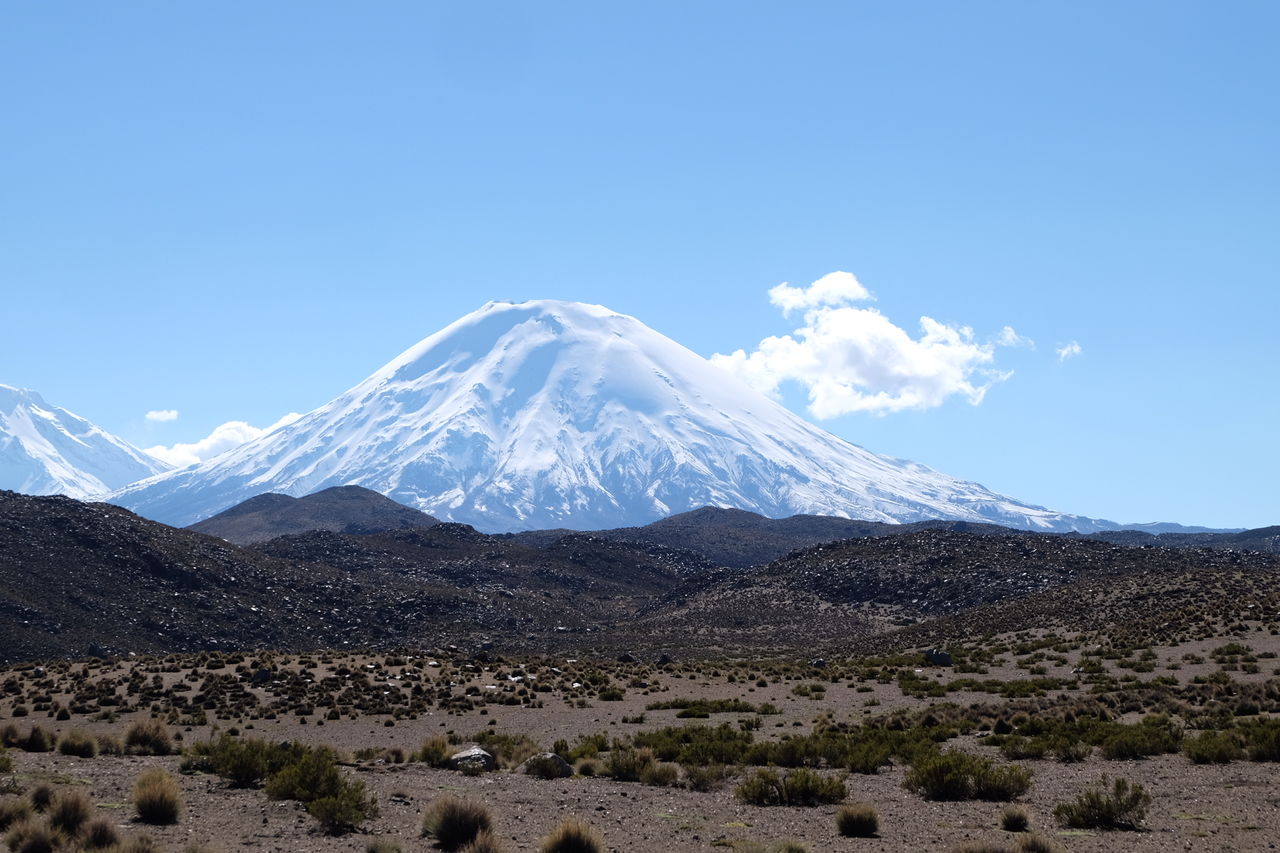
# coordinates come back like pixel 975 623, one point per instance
pixel 223 438
pixel 1009 338
pixel 834 288
pixel 162 415
pixel 1070 350
pixel 857 360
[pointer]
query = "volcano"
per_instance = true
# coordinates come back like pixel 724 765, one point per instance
pixel 560 414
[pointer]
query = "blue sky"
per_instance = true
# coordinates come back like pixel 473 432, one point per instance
pixel 238 210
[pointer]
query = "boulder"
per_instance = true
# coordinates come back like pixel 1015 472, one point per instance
pixel 474 759
pixel 546 765
pixel 938 657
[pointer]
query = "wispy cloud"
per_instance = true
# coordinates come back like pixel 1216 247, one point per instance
pixel 162 415
pixel 1070 350
pixel 1009 338
pixel 225 437
pixel 855 359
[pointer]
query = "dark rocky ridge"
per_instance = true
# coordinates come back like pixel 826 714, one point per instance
pixel 79 577
pixel 740 539
pixel 342 509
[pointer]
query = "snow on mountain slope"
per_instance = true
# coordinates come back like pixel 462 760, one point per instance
pixel 558 414
pixel 46 450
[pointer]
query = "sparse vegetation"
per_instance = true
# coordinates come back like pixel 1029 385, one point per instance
pixel 799 787
pixel 1118 804
pixel 956 775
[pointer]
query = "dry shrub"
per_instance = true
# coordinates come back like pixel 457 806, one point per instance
pixel 1120 805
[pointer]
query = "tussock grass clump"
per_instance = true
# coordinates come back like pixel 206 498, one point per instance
pixel 70 812
pixel 79 744
pixel 454 822
pixel 13 812
pixel 382 847
pixel 37 740
pixel 32 836
pixel 148 737
pixel 957 775
pixel 100 835
pixel 800 787
pixel 484 842
pixel 1118 805
pixel 435 751
pixel 110 745
pixel 1014 819
pixel 6 760
pixel 42 796
pixel 572 836
pixel 858 820
pixel 156 797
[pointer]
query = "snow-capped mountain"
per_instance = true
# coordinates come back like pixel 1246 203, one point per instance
pixel 558 414
pixel 46 450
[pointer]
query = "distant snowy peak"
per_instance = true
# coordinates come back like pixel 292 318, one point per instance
pixel 47 450
pixel 559 414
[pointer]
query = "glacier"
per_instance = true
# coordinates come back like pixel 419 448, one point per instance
pixel 561 414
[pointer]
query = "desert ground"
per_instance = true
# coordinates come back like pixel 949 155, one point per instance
pixel 377 711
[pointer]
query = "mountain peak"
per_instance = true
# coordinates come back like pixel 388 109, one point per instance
pixel 48 450
pixel 562 414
